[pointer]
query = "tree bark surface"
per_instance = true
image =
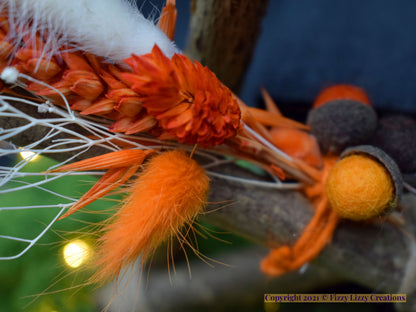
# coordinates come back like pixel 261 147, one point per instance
pixel 223 35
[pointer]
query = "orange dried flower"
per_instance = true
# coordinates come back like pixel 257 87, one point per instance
pixel 186 98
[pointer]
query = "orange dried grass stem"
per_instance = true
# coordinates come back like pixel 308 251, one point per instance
pixel 121 166
pixel 107 161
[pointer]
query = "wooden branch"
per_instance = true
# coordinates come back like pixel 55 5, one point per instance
pixel 223 36
pixel 378 254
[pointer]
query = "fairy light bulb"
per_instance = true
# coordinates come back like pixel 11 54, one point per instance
pixel 28 155
pixel 76 253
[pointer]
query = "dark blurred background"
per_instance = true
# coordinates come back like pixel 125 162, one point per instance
pixel 307 45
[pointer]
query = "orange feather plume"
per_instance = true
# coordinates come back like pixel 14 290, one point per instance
pixel 169 194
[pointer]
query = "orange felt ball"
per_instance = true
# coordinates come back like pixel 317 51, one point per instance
pixel 359 187
pixel 341 92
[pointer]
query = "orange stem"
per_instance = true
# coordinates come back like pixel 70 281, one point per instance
pixel 318 244
pixel 315 236
pixel 167 21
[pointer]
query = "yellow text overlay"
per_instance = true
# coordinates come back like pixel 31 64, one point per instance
pixel 334 298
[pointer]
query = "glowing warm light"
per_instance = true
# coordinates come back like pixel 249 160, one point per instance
pixel 76 253
pixel 28 155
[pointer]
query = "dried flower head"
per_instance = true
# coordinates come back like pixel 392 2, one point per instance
pixel 187 99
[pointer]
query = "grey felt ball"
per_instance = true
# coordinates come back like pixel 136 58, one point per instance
pixel 342 123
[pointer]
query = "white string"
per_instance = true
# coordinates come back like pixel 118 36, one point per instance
pixel 266 142
pixel 265 184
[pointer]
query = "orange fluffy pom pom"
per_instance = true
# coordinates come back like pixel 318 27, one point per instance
pixel 359 187
pixel 169 193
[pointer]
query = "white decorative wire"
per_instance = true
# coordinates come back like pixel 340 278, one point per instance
pixel 60 139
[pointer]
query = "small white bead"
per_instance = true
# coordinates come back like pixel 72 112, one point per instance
pixel 9 75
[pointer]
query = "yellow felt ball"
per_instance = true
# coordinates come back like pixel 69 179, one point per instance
pixel 359 187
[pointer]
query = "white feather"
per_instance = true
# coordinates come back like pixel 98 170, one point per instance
pixel 114 29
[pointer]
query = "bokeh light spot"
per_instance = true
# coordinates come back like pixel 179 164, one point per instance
pixel 28 155
pixel 76 253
